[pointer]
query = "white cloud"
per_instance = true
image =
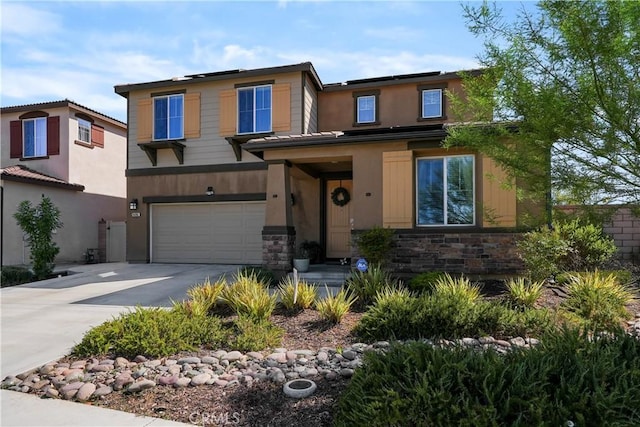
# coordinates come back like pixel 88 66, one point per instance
pixel 24 20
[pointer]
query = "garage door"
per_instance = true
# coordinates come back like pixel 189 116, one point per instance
pixel 219 233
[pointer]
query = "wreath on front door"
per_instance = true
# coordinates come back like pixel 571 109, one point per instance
pixel 340 196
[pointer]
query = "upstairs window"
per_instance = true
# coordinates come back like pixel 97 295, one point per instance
pixel 254 109
pixel 168 117
pixel 366 109
pixel 34 133
pixel 84 130
pixel 431 103
pixel 445 191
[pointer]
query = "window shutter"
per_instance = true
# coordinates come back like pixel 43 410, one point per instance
pixel 144 120
pixel 281 107
pixel 397 189
pixel 228 112
pixel 16 139
pixel 97 135
pixel 499 203
pixel 53 135
pixel 192 115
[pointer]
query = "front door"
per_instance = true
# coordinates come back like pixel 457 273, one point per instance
pixel 338 228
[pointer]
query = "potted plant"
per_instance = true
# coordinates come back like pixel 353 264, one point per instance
pixel 314 251
pixel 301 259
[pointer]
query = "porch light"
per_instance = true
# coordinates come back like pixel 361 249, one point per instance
pixel 133 204
pixel 210 191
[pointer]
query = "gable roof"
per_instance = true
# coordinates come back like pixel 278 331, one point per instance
pixel 20 173
pixel 59 104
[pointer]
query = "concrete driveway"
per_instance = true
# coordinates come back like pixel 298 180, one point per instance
pixel 42 321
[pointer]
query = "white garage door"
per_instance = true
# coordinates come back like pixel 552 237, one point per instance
pixel 206 233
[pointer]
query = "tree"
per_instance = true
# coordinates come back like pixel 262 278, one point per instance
pixel 561 88
pixel 38 223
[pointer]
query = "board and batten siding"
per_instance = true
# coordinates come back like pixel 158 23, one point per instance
pixel 397 189
pixel 310 118
pixel 499 202
pixel 208 146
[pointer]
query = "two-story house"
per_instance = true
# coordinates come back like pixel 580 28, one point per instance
pixel 71 154
pixel 238 166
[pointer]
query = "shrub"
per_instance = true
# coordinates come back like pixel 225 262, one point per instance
pixel 365 285
pixel 417 384
pixel 522 293
pixel 15 275
pixel 204 297
pixel 623 277
pixel 333 308
pixel 597 301
pixel 566 246
pixel 263 275
pixel 248 296
pixel 425 282
pixel 456 289
pixel 375 244
pixel 304 298
pixel 251 335
pixel 152 332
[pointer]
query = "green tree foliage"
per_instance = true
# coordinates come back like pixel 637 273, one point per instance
pixel 38 223
pixel 567 76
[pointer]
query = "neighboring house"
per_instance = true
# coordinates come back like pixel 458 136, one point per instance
pixel 240 166
pixel 71 154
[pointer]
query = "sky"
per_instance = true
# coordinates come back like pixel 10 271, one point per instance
pixel 80 50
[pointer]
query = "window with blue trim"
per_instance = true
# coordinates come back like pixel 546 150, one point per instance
pixel 254 109
pixel 168 117
pixel 34 133
pixel 445 191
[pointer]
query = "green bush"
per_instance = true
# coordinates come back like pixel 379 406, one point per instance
pixel 248 296
pixel 262 274
pixel 405 317
pixel 566 378
pixel 522 293
pixel 15 275
pixel 365 285
pixel 152 332
pixel 204 296
pixel 375 244
pixel 305 298
pixel 623 277
pixel 425 282
pixel 567 246
pixel 456 289
pixel 332 308
pixel 597 301
pixel 251 335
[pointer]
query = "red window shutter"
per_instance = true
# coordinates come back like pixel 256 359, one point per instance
pixel 53 135
pixel 16 139
pixel 97 135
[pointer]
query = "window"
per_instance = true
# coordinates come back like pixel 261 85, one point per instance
pixel 445 191
pixel 168 117
pixel 366 109
pixel 84 130
pixel 254 109
pixel 34 133
pixel 431 103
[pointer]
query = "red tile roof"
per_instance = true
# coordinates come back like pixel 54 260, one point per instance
pixel 22 173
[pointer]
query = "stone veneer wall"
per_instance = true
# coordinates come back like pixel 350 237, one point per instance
pixel 471 253
pixel 278 251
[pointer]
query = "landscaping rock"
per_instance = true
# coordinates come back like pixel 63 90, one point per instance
pixel 85 392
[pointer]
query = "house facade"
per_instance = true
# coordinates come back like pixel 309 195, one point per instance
pixel 71 154
pixel 242 166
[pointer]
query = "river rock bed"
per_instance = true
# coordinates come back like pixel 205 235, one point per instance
pixel 90 379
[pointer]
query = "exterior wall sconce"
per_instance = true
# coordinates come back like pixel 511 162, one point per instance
pixel 210 191
pixel 133 205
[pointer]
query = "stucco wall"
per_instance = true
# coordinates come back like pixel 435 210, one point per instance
pixel 80 213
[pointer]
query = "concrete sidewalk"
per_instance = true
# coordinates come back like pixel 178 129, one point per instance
pixel 42 321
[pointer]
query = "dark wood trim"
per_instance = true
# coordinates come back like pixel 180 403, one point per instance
pixel 282 230
pixel 443 111
pixel 203 198
pixel 151 149
pixel 43 183
pixel 427 143
pixel 337 175
pixel 313 173
pixel 83 144
pixel 180 170
pixel 28 159
pixel 33 115
pixel 85 116
pixel 253 84
pixel 376 106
